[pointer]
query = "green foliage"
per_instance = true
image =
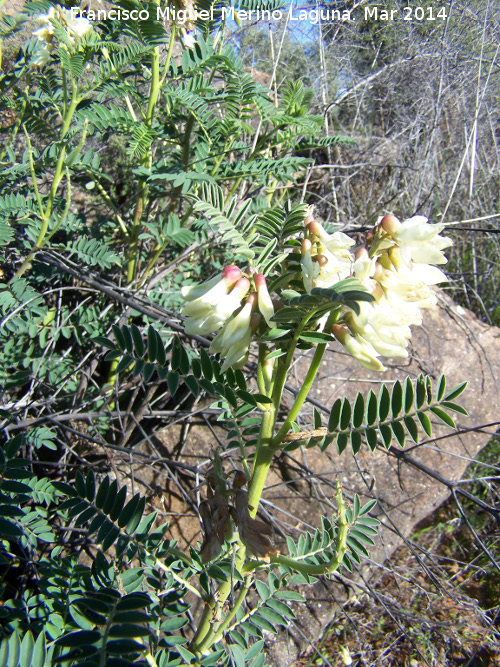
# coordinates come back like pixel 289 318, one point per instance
pixel 128 172
pixel 392 417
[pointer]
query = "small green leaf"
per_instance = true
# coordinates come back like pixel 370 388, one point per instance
pixel 119 337
pixel 371 438
pixel 137 516
pixel 262 589
pixel 386 433
pixel 172 383
pixel 123 646
pixel 356 546
pixel 110 498
pixel 262 398
pixel 152 343
pixel 342 440
pixel 399 432
pixel 316 337
pixel 396 399
pixel 138 341
pixel 110 538
pixel 358 410
pixel 276 353
pixel 456 391
pixel 124 364
pixel 118 504
pixel 412 428
pixel 128 339
pixel 345 416
pixel 425 422
pixel 444 417
pixel 102 493
pixel 355 441
pixel 408 395
pixel 356 506
pixel 80 484
pixel 441 388
pixel 206 365
pixel 455 407
pixel 333 420
pixel 79 638
pixel 384 403
pixel 238 655
pixel 128 511
pixel 420 392
pixel 90 485
pixel 367 507
pixel 371 408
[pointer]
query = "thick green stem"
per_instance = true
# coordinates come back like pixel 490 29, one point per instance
pixel 212 639
pixel 267 444
pixel 263 457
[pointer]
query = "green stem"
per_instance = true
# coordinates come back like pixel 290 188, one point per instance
pixel 210 640
pixel 301 396
pixel 135 231
pixel 58 174
pixel 316 570
pixel 203 638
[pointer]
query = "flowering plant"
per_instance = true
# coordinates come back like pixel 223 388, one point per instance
pixel 365 297
pixel 131 150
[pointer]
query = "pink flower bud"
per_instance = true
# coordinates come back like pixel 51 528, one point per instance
pixel 390 224
pixel 306 247
pixel 231 275
pixel 362 253
pixel 241 287
pixel 316 228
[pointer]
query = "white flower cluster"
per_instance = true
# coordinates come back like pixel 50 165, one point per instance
pixel 395 266
pixel 75 27
pixel 217 303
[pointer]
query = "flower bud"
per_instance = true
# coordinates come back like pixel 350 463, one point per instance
pixel 265 304
pixel 390 224
pixel 309 215
pixel 322 260
pixel 231 274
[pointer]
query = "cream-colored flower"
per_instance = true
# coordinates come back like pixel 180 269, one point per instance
pixel 418 240
pixel 337 243
pixel 359 348
pixel 233 341
pixel 326 259
pixel 75 27
pixel 413 284
pixel 264 300
pixel 212 303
